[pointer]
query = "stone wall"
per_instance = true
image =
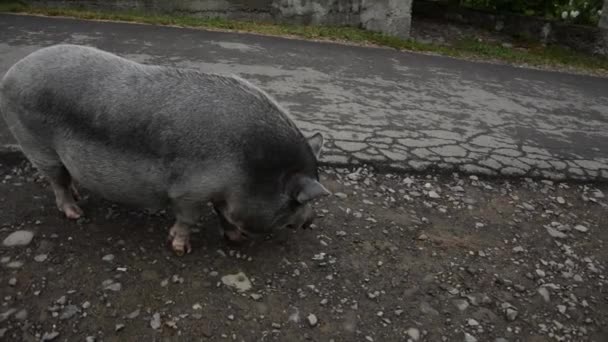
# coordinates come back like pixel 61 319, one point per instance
pixel 581 38
pixel 388 16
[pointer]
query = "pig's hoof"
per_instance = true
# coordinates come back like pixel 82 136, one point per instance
pixel 180 245
pixel 72 211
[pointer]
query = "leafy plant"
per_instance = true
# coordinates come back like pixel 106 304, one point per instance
pixel 586 12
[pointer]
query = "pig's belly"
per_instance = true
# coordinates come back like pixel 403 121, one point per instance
pixel 120 177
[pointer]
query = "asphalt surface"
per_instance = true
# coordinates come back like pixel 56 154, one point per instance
pixel 388 108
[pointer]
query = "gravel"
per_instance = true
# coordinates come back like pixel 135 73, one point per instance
pixel 484 260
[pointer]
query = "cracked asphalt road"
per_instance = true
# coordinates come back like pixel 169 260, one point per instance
pixel 379 106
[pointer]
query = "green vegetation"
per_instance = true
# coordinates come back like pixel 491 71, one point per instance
pixel 528 53
pixel 585 12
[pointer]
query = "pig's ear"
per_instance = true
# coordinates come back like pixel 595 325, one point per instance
pixel 316 144
pixel 310 189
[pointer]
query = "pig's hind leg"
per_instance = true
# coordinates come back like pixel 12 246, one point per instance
pixel 46 160
pixel 186 215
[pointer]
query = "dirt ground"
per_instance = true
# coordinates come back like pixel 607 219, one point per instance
pixel 391 258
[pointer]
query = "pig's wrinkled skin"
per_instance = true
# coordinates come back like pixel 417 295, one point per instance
pixel 156 136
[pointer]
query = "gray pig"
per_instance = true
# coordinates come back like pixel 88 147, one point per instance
pixel 158 137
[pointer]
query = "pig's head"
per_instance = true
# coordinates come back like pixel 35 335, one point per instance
pixel 281 183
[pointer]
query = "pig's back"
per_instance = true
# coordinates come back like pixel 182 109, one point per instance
pixel 160 111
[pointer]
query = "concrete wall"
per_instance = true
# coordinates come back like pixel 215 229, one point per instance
pixel 392 17
pixel 581 38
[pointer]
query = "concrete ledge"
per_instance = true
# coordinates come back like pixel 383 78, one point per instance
pixel 392 17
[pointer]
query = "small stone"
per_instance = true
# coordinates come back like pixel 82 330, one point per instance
pixel 86 305
pixel 518 249
pixel 256 296
pixel 155 321
pixel 197 306
pixel 62 300
pixel 581 228
pixel 561 309
pixel 50 336
pixel 469 338
pixel 528 206
pixel 427 309
pixel 433 194
pixel 21 315
pixel 413 333
pixel 12 281
pixel 133 315
pixel 119 327
pixel 561 200
pixel 238 281
pixel 15 264
pixel 312 320
pixel 423 237
pixel 511 314
pixel 40 257
pixel 543 292
pixel 472 323
pixel 556 233
pixel 341 195
pixel 69 312
pixel 18 238
pixel 108 257
pixel 90 339
pixel 114 287
pixel 540 273
pixel 461 304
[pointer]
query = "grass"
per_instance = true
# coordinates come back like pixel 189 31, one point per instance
pixel 534 55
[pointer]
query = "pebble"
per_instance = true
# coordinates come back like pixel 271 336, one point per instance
pixel 15 264
pixel 540 273
pixel 528 206
pixel 518 249
pixel 69 312
pixel 155 321
pixel 18 238
pixel 543 292
pixel 86 305
pixel 40 257
pixel 561 200
pixel 108 257
pixel 114 287
pixel 133 315
pixel 469 338
pixel 433 194
pixel 21 315
pixel 119 327
pixel 50 336
pixel 12 281
pixel 90 339
pixel 413 333
pixel 581 228
pixel 62 300
pixel 341 195
pixel 312 320
pixel 556 233
pixel 238 281
pixel 511 314
pixel 472 323
pixel 423 237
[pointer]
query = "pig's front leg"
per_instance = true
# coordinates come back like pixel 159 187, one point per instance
pixel 186 215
